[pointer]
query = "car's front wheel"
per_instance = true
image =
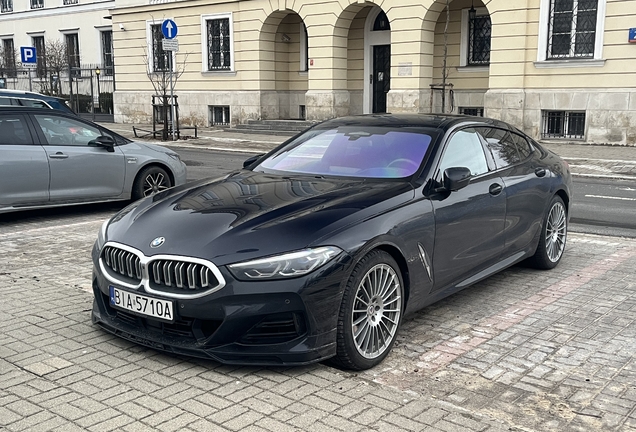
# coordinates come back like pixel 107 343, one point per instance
pixel 150 181
pixel 553 236
pixel 370 313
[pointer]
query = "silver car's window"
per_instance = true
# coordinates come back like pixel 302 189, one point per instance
pixel 353 151
pixel 64 131
pixel 13 131
pixel 465 150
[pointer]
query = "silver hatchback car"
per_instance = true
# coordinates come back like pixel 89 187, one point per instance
pixel 49 158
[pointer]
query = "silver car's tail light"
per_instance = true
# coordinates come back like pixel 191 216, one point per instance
pixel 168 275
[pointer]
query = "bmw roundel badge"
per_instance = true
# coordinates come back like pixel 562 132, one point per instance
pixel 157 242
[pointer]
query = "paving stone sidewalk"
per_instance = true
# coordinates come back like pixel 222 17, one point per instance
pixel 595 161
pixel 522 351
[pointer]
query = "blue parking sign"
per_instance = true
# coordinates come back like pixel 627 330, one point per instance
pixel 28 55
pixel 632 35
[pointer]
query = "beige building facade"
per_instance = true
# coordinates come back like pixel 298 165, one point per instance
pixel 558 69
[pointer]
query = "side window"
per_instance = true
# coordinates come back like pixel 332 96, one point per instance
pixel 502 146
pixel 524 147
pixel 64 131
pixel 465 150
pixel 33 103
pixel 13 130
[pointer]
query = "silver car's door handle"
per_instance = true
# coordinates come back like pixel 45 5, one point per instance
pixel 58 155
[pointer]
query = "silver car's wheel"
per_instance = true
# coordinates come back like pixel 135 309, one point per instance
pixel 150 181
pixel 370 313
pixel 376 311
pixel 555 232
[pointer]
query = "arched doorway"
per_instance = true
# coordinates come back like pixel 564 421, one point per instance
pixel 377 61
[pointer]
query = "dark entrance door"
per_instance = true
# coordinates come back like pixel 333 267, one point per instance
pixel 381 76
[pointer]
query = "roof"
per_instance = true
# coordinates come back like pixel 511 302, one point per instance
pixel 441 121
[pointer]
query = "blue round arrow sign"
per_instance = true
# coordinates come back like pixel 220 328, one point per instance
pixel 169 29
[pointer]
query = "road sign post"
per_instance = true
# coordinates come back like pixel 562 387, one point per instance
pixel 169 29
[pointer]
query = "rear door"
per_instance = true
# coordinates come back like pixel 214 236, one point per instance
pixel 24 166
pixel 80 170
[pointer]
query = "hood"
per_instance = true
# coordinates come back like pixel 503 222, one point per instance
pixel 248 215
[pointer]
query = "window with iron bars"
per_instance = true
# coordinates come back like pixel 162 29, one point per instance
pixel 563 124
pixel 219 115
pixel 479 31
pixel 218 39
pixel 572 29
pixel 8 59
pixel 6 6
pixel 37 4
pixel 472 111
pixel 70 2
pixel 161 60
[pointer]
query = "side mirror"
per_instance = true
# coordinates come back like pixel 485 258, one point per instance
pixel 249 161
pixel 104 141
pixel 456 178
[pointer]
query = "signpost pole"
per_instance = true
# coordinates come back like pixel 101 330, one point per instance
pixel 30 81
pixel 174 108
pixel 169 43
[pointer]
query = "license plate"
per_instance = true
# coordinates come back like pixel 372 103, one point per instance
pixel 140 304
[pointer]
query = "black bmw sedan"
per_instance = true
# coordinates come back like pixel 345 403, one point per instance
pixel 319 248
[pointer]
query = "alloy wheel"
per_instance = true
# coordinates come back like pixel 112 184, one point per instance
pixel 155 182
pixel 556 231
pixel 376 311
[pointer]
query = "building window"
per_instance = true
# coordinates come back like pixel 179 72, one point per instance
pixel 304 48
pixel 472 111
pixel 381 22
pixel 572 29
pixel 219 115
pixel 72 53
pixel 70 2
pixel 8 59
pixel 40 52
pixel 6 6
pixel 479 30
pixel 563 124
pixel 107 52
pixel 160 60
pixel 37 4
pixel 218 41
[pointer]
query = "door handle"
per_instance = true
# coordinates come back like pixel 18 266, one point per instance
pixel 540 172
pixel 495 189
pixel 58 155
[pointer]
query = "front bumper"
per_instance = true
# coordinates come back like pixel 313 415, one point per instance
pixel 285 322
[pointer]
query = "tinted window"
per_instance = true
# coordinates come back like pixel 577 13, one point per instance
pixel 524 147
pixel 13 130
pixel 501 145
pixel 351 151
pixel 34 103
pixel 64 131
pixel 465 150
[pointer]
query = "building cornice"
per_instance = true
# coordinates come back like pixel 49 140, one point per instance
pixel 59 10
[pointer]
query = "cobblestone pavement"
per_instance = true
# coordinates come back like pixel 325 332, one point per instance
pixel 522 351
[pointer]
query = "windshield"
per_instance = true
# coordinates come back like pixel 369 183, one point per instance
pixel 349 151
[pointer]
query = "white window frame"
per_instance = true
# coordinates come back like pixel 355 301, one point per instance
pixel 149 53
pixel 465 39
pixel 542 49
pixel 204 43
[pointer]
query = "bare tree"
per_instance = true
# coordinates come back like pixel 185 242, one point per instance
pixel 158 64
pixel 55 64
pixel 7 63
pixel 445 59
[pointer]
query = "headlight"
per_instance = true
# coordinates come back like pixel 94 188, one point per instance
pixel 289 265
pixel 174 156
pixel 101 236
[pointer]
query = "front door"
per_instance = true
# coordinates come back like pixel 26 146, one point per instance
pixel 381 76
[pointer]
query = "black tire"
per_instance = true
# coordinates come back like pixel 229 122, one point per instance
pixel 553 236
pixel 348 354
pixel 149 181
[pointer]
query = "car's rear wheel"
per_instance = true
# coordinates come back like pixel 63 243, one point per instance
pixel 150 181
pixel 553 236
pixel 370 313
